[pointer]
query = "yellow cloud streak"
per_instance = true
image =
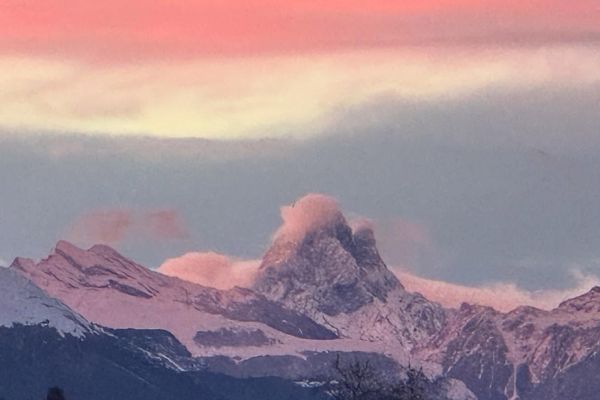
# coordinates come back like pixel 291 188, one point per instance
pixel 262 96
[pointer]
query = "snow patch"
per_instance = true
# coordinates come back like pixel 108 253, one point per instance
pixel 21 302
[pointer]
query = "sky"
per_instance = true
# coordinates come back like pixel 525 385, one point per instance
pixel 467 131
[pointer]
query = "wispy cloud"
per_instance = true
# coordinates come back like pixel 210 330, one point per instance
pixel 113 226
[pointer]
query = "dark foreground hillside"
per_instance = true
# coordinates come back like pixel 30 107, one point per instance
pixel 104 367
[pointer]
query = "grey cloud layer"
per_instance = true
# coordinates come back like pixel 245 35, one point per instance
pixel 506 184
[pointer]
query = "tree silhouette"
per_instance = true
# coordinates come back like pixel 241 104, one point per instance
pixel 355 381
pixel 411 388
pixel 360 381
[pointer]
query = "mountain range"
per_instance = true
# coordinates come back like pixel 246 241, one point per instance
pixel 315 296
pixel 44 343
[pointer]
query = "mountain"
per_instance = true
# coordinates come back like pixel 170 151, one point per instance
pixel 330 270
pixel 98 281
pixel 318 294
pixel 329 292
pixel 524 354
pixel 43 343
pixel 334 274
pixel 256 331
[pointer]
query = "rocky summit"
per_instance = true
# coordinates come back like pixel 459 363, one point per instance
pixel 329 270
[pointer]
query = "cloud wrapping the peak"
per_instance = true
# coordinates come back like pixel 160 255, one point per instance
pixel 211 269
pixel 307 213
pixel 361 223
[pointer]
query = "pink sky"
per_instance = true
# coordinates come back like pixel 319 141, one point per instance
pixel 116 30
pixel 238 69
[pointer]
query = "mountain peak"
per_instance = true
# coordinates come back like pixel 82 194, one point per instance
pixel 69 266
pixel 323 266
pixel 363 231
pixel 64 246
pixel 595 289
pixel 22 263
pixel 587 302
pixel 68 249
pixel 99 254
pixel 105 250
pixel 73 254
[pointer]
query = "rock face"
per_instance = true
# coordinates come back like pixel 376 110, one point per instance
pixel 330 270
pixel 471 348
pixel 524 354
pixel 335 275
pixel 233 337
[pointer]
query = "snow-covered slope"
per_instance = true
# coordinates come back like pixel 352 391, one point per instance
pixel 21 302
